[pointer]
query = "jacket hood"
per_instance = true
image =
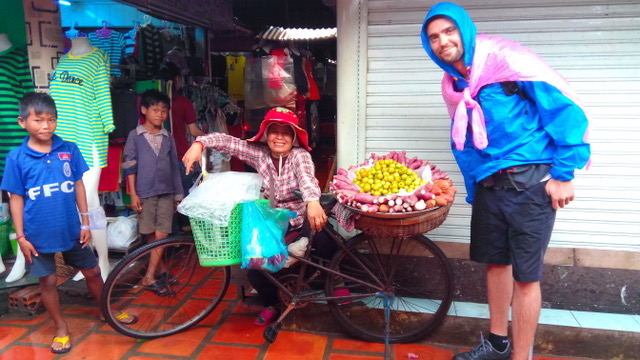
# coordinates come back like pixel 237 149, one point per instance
pixel 467 28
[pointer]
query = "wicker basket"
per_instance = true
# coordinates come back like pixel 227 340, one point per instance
pixel 218 245
pixel 399 225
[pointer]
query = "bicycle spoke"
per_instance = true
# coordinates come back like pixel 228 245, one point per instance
pixel 416 278
pixel 184 294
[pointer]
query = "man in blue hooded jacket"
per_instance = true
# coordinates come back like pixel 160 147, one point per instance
pixel 518 134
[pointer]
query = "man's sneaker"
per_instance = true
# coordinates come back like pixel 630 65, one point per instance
pixel 485 351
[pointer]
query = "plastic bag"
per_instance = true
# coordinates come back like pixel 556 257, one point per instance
pixel 122 232
pixel 218 193
pixel 297 248
pixel 278 82
pixel 253 88
pixel 262 240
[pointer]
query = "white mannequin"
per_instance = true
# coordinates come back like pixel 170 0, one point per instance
pixel 18 270
pixel 4 42
pixel 91 179
pixel 81 46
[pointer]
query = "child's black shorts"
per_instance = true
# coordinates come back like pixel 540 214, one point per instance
pixel 45 263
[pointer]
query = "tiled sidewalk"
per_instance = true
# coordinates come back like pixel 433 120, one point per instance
pixel 228 333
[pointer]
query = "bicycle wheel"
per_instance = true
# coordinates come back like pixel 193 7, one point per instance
pixel 411 275
pixel 185 295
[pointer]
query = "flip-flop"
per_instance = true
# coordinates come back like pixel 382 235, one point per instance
pixel 127 319
pixel 266 317
pixel 123 317
pixel 62 340
pixel 343 292
pixel 158 288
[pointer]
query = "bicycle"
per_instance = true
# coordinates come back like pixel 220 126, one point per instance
pixel 400 287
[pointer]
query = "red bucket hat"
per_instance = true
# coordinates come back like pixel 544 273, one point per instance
pixel 283 116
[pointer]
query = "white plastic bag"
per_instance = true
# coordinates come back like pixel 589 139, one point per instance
pixel 297 248
pixel 217 195
pixel 122 232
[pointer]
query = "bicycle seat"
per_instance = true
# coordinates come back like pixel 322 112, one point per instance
pixel 327 200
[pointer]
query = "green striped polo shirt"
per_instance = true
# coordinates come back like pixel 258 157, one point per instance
pixel 80 87
pixel 15 82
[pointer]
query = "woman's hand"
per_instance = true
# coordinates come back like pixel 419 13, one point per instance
pixel 315 214
pixel 193 155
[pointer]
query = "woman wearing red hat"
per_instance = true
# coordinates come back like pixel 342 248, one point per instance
pixel 280 154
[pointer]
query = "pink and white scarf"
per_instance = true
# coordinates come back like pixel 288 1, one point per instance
pixel 495 60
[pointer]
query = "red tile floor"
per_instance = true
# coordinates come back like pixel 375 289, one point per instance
pixel 228 333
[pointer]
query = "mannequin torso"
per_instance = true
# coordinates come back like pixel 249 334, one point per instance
pixel 80 46
pixel 4 42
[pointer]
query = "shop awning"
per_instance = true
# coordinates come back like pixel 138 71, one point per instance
pixel 284 34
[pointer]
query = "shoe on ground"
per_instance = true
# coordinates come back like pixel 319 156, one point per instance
pixel 485 351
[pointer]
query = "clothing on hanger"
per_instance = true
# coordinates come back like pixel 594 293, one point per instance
pixel 113 42
pixel 105 32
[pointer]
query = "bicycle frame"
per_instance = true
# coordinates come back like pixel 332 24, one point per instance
pixel 308 260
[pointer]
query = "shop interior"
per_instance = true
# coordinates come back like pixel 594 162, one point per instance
pixel 223 70
pixel 220 66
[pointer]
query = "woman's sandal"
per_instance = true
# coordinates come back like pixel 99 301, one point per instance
pixel 266 316
pixel 62 340
pixel 343 292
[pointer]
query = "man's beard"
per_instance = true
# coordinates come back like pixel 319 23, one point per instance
pixel 452 57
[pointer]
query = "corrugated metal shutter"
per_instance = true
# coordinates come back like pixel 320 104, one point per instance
pixel 594 44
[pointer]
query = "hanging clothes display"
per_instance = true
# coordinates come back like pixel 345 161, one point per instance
pixel 80 87
pixel 130 40
pixel 207 99
pixel 112 42
pixel 235 74
pixel 314 93
pixel 15 82
pixel 149 50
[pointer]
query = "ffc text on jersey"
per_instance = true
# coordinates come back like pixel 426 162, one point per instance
pixel 48 189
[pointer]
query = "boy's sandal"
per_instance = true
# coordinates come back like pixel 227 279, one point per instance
pixel 62 340
pixel 157 288
pixel 265 317
pixel 165 276
pixel 127 319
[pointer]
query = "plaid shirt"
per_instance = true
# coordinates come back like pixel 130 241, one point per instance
pixel 298 171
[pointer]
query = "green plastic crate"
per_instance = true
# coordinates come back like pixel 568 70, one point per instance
pixel 218 245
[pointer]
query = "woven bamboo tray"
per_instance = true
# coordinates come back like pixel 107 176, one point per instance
pixel 399 225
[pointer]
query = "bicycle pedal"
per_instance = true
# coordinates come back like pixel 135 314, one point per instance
pixel 270 333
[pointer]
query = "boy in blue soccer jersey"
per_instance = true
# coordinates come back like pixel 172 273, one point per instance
pixel 44 179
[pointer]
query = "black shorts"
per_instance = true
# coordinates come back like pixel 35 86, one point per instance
pixel 45 263
pixel 512 227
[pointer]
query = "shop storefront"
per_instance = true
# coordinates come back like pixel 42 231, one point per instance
pixel 231 74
